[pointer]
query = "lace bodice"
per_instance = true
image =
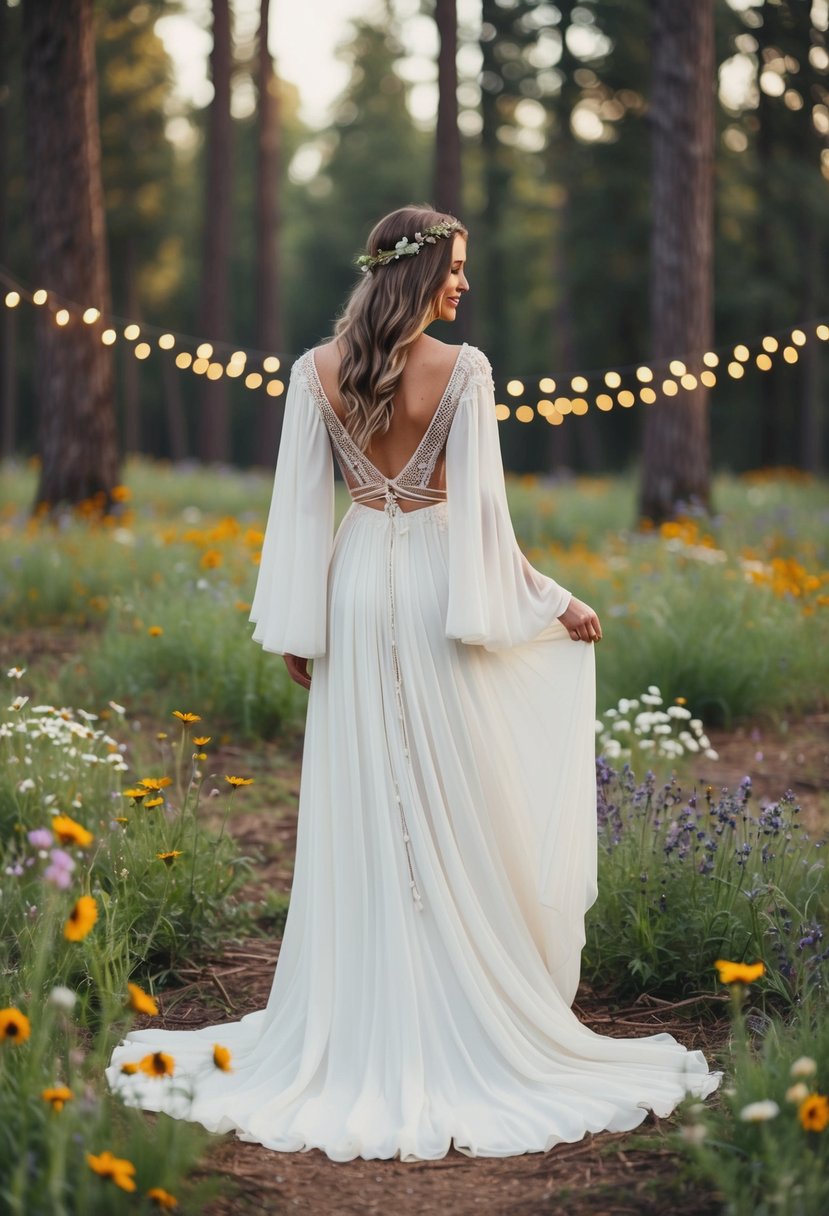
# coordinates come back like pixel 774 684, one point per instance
pixel 364 479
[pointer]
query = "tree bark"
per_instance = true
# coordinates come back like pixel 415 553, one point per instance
pixel 676 456
pixel 269 330
pixel 8 404
pixel 214 431
pixel 446 190
pixel 74 379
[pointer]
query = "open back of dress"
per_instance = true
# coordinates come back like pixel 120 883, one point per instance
pixel 446 848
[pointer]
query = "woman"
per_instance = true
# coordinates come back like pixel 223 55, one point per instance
pixel 446 848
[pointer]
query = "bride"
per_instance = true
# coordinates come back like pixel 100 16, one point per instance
pixel 447 847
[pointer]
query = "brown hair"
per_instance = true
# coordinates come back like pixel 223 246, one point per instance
pixel 384 314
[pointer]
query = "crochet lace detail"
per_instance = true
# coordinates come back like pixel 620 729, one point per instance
pixel 420 466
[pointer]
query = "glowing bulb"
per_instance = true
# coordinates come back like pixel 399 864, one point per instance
pixel 547 384
pixel 670 388
pixel 108 337
pixel 131 332
pixel 525 413
pixel 91 315
pixel 612 379
pixel 822 332
pixel 604 401
pixel 515 388
pixel 708 379
pixel 647 395
pixel 563 405
pixel 502 411
pixel 253 379
pixel 644 373
pixel 215 371
pixel 710 358
pixel 554 418
pixel 625 398
pixel 688 381
pixel 239 356
pixel 798 337
pixel 183 359
pixel 741 352
pixel 142 350
pixel 40 296
pixel 62 316
pixel 580 406
pixel 12 299
pixel 763 362
pixel 200 366
pixel 790 354
pixel 275 388
pixel 234 369
pixel 736 370
pixel 271 364
pixel 578 384
pixel 166 341
pixel 677 367
pixel 770 344
pixel 204 350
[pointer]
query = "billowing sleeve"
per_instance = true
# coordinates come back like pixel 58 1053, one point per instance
pixel 496 598
pixel 289 606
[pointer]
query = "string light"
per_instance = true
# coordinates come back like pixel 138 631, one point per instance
pixel 215 360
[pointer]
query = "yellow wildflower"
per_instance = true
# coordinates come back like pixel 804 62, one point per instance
pixel 813 1113
pixel 15 1027
pixel 186 717
pixel 134 793
pixel 117 1168
pixel 129 1068
pixel 156 783
pixel 738 973
pixel 202 740
pixel 141 1001
pixel 221 1057
pixel 162 1198
pixel 68 831
pixel 237 781
pixel 210 559
pixel 57 1095
pixel 151 802
pixel 157 1064
pixel 81 919
pixel 169 858
pixel 155 631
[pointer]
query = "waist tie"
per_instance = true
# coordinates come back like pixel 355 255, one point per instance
pixel 397 523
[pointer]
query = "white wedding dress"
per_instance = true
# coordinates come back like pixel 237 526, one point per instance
pixel 447 847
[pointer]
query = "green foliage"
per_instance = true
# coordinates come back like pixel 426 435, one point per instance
pixel 685 879
pixel 771 1166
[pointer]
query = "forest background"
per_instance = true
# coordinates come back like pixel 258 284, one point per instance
pixel 553 175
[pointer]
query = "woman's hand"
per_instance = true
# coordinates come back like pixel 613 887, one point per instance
pixel 581 622
pixel 297 669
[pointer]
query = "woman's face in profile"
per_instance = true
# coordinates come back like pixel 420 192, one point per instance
pixel 455 283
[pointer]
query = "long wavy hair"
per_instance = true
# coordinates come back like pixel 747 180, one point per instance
pixel 384 314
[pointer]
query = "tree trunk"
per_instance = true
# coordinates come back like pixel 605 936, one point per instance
pixel 496 183
pixel 74 379
pixel 446 191
pixel 269 332
pixel 676 457
pixel 8 404
pixel 130 366
pixel 214 431
pixel 811 398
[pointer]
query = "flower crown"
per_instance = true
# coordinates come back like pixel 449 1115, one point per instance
pixel 404 247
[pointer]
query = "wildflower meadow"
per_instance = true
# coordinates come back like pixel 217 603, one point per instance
pixel 132 729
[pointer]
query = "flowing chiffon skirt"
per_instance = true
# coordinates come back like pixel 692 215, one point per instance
pixel 393 1029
